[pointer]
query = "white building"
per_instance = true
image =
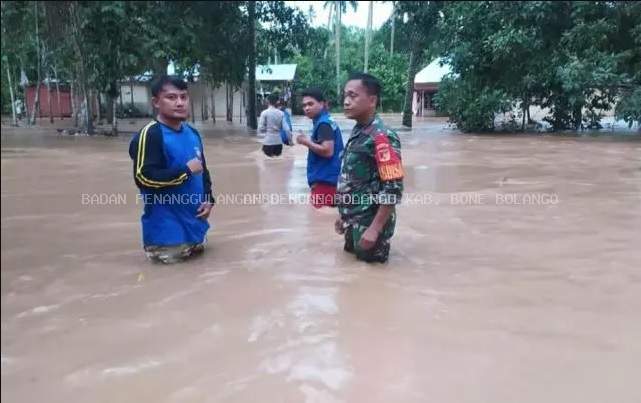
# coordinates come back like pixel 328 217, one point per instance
pixel 207 101
pixel 426 83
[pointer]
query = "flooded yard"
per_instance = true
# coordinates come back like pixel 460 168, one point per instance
pixel 514 276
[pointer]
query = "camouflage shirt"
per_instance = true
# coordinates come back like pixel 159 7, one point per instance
pixel 372 171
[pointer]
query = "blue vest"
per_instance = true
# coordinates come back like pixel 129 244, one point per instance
pixel 321 169
pixel 169 217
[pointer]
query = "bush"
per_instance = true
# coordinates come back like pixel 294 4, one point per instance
pixel 468 108
pixel 629 107
pixel 129 111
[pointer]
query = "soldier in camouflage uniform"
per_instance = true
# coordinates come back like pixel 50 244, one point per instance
pixel 371 181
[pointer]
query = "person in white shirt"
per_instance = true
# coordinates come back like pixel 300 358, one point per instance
pixel 271 121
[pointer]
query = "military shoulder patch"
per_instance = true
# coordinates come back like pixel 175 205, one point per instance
pixel 388 162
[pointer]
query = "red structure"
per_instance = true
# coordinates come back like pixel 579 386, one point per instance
pixel 57 110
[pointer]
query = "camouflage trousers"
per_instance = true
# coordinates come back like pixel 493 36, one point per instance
pixel 354 231
pixel 174 253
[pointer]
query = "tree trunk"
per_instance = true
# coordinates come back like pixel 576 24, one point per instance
pixel 74 107
pixel 99 112
pixel 231 104
pixel 251 79
pixel 131 89
pixel 24 113
pixel 329 24
pixel 82 113
pixel 391 46
pixel 391 41
pixel 160 67
pixel 108 108
pixel 111 101
pixel 578 114
pixel 85 107
pixel 13 101
pixel 49 100
pixel 523 119
pixel 368 34
pixel 88 111
pixel 409 92
pixel 36 103
pixel 55 74
pixel 191 106
pixel 81 63
pixel 114 118
pixel 337 27
pixel 227 101
pixel 203 108
pixel 242 108
pixel 213 106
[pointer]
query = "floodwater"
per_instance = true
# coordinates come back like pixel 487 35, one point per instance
pixel 515 276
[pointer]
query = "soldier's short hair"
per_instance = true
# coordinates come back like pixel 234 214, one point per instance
pixel 371 83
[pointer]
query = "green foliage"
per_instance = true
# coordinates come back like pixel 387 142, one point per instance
pixel 629 107
pixel 222 44
pixel 110 41
pixel 116 44
pixel 471 108
pixel 316 69
pixel 284 29
pixel 573 58
pixel 18 47
pixel 129 111
pixel 313 72
pixel 422 21
pixel 391 70
pixel 402 33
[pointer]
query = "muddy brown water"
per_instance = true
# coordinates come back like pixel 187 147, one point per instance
pixel 515 276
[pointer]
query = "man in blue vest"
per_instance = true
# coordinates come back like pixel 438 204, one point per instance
pixel 325 149
pixel 170 171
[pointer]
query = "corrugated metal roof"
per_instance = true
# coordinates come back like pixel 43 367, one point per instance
pixel 275 72
pixel 433 73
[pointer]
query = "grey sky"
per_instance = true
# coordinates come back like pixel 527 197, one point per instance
pixel 358 18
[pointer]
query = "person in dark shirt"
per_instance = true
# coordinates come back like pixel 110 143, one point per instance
pixel 325 149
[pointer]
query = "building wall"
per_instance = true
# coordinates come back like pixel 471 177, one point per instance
pixel 419 107
pixel 57 109
pixel 142 96
pixel 201 94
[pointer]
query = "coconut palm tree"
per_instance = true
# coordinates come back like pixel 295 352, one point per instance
pixel 368 36
pixel 338 8
pixel 393 17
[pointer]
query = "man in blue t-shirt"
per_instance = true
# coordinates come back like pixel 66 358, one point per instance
pixel 170 171
pixel 325 149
